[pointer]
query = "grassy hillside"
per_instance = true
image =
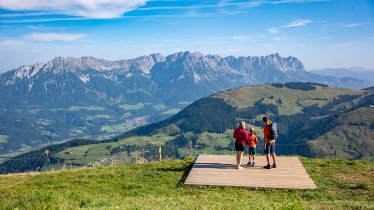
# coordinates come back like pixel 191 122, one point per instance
pixel 323 121
pixel 92 154
pixel 341 185
pixel 289 101
pixel 353 133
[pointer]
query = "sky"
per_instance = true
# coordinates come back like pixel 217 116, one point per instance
pixel 321 33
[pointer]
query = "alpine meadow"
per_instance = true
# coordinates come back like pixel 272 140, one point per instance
pixel 216 104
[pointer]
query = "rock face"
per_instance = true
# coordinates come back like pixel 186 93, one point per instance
pixel 182 76
pixel 105 93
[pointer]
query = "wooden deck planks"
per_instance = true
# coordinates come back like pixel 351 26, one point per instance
pixel 220 170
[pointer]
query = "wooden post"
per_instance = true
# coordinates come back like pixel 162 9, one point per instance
pixel 159 152
pixel 46 152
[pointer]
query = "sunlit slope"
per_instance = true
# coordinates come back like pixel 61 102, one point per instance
pixel 341 184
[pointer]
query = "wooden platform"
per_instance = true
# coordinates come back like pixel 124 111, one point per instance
pixel 220 170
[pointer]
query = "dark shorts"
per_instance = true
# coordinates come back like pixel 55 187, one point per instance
pixel 239 147
pixel 270 148
pixel 252 150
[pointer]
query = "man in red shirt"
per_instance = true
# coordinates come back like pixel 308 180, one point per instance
pixel 269 143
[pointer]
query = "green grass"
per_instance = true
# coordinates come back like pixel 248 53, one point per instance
pixel 341 185
pixel 49 133
pixel 128 107
pixel 168 130
pixel 35 111
pixel 99 116
pixel 88 108
pixel 122 127
pixel 352 133
pixel 214 139
pixel 43 122
pixel 159 107
pixel 92 154
pixel 3 138
pixel 56 109
pixel 143 140
pixel 171 111
pixel 25 147
pixel 246 96
pixel 361 115
pixel 184 102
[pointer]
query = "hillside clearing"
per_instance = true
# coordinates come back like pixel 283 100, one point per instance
pixel 244 97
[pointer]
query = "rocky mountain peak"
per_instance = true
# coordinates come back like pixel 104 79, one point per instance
pixel 157 57
pixel 83 63
pixel 28 71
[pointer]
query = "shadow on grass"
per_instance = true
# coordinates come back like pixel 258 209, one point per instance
pixel 185 168
pixel 186 171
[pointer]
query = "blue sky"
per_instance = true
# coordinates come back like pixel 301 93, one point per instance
pixel 321 33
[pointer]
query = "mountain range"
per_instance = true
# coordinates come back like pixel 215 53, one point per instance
pixel 85 97
pixel 354 72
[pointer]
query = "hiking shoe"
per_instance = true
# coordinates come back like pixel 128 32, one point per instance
pixel 240 167
pixel 274 165
pixel 267 166
pixel 253 164
pixel 249 163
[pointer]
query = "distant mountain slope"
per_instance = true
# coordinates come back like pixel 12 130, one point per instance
pixel 354 72
pixel 369 88
pixel 70 98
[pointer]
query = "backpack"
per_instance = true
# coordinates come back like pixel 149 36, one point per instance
pixel 273 131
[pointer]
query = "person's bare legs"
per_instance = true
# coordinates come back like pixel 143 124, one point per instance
pixel 268 158
pixel 240 157
pixel 274 157
pixel 237 158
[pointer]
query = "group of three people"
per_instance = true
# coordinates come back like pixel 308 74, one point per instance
pixel 242 138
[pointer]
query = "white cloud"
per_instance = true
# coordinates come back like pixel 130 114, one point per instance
pixel 273 30
pixel 39 20
pixel 82 8
pixel 355 25
pixel 11 42
pixel 344 45
pixel 277 38
pixel 240 38
pixel 298 1
pixel 323 37
pixel 298 23
pixel 48 37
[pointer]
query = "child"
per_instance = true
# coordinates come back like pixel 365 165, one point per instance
pixel 252 142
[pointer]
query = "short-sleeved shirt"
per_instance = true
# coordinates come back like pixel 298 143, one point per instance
pixel 266 133
pixel 240 135
pixel 252 140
